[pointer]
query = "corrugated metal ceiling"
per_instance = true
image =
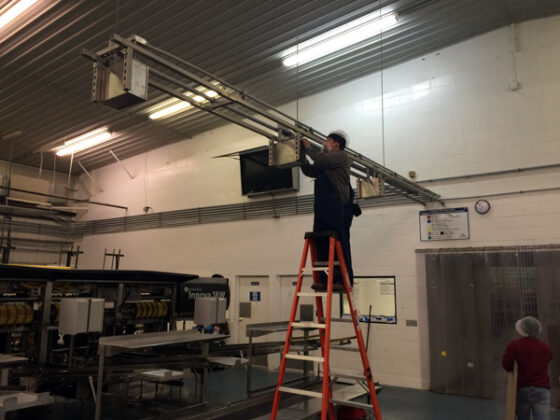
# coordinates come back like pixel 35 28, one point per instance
pixel 45 83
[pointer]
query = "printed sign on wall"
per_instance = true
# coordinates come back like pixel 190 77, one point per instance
pixel 445 224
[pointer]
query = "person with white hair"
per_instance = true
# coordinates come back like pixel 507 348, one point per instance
pixel 333 197
pixel 533 357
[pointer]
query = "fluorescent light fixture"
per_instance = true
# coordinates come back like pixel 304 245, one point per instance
pixel 336 39
pixel 173 106
pixel 169 110
pixel 13 10
pixel 85 141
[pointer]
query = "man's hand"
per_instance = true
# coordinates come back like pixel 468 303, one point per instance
pixel 305 143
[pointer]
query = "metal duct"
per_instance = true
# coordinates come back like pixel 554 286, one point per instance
pixel 276 207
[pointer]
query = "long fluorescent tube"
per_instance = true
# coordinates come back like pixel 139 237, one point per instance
pixel 336 39
pixel 173 106
pixel 170 110
pixel 14 11
pixel 85 141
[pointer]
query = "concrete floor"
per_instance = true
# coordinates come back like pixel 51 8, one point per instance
pixel 227 386
pixel 395 403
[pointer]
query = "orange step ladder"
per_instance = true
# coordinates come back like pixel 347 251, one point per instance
pixel 323 324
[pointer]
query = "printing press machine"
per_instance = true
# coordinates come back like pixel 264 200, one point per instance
pixel 53 319
pixel 62 329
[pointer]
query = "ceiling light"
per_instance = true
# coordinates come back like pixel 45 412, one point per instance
pixel 336 39
pixel 170 110
pixel 173 106
pixel 13 10
pixel 85 141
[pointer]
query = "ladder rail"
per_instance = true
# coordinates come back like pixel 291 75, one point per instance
pixel 289 332
pixel 322 332
pixel 359 336
pixel 325 315
pixel 327 408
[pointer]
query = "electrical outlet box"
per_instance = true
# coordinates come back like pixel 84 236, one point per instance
pixel 81 315
pixel 74 316
pixel 209 310
pixel 96 311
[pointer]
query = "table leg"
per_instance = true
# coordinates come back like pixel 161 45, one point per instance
pixel 4 376
pixel 249 365
pixel 100 382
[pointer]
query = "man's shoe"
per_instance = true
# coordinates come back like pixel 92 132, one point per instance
pixel 319 287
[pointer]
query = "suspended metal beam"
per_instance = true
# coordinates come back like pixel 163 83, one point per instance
pixel 89 176
pixel 121 164
pixel 180 79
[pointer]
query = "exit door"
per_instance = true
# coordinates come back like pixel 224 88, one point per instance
pixel 287 290
pixel 253 304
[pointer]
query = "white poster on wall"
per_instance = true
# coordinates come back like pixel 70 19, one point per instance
pixel 445 224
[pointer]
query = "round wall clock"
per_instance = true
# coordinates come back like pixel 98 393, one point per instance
pixel 482 206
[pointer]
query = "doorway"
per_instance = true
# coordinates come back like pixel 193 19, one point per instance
pixel 253 304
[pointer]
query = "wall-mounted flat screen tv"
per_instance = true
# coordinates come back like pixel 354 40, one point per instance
pixel 259 178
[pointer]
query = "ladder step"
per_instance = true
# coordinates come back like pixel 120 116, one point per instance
pixel 307 325
pixel 325 263
pixel 300 392
pixel 349 319
pixel 306 358
pixel 313 294
pixel 346 376
pixel 345 348
pixel 298 347
pixel 350 403
pixel 312 269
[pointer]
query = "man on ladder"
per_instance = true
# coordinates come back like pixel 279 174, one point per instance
pixel 329 240
pixel 333 201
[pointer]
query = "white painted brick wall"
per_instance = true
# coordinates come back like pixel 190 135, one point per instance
pixel 446 114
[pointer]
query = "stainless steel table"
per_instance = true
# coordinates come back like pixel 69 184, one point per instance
pixel 258 330
pixel 110 346
pixel 6 361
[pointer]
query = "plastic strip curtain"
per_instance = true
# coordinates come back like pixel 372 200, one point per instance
pixel 474 299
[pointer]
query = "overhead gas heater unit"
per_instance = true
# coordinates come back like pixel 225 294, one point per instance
pixel 123 71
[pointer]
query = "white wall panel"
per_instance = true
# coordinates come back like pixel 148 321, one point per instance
pixel 446 114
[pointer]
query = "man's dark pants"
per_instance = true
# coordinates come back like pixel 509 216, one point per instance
pixel 331 214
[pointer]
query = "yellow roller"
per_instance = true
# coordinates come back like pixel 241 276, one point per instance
pixel 161 309
pixel 3 315
pixel 20 313
pixel 143 309
pixel 137 304
pixel 28 314
pixel 150 309
pixel 12 314
pixel 165 308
